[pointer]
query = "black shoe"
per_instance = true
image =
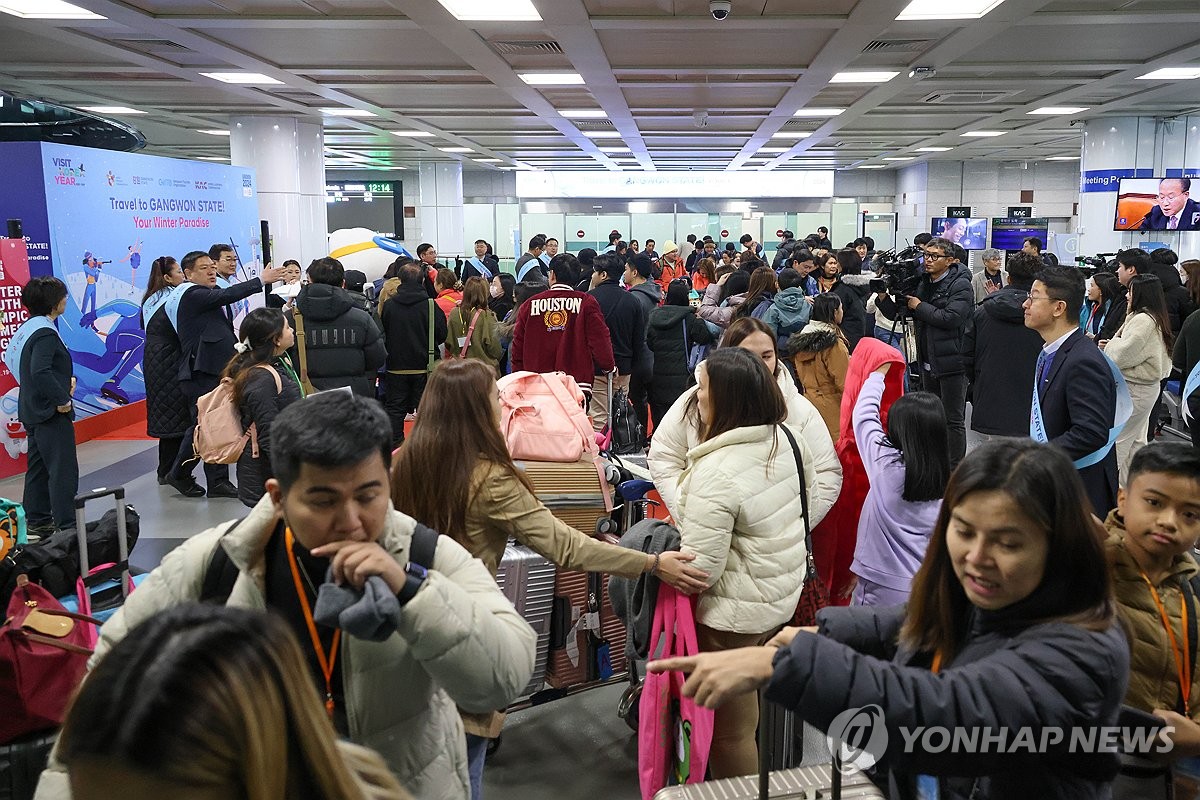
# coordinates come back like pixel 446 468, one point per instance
pixel 162 480
pixel 185 486
pixel 223 489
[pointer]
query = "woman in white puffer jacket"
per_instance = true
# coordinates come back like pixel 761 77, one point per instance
pixel 739 512
pixel 679 430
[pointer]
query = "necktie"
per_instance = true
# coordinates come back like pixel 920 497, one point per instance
pixel 1173 223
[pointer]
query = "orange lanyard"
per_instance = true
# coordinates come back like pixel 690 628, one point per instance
pixel 325 661
pixel 936 666
pixel 1182 656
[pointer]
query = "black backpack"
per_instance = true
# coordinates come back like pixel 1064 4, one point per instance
pixel 628 435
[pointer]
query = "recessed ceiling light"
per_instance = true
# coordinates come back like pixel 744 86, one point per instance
pixel 551 78
pixel 899 158
pixel 346 112
pixel 818 112
pixel 602 134
pixel 1171 74
pixel 489 160
pixel 214 158
pixel 124 110
pixel 214 132
pixel 790 135
pixel 933 149
pixel 492 10
pixel 456 150
pixel 614 150
pixel 46 9
pixel 983 134
pixel 584 113
pixel 937 9
pixel 1063 158
pixel 412 134
pixel 773 149
pixel 872 166
pixel 243 78
pixel 1049 111
pixel 863 77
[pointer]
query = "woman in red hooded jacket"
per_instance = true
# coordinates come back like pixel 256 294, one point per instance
pixel 835 537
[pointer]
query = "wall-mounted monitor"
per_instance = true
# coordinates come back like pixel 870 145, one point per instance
pixel 968 233
pixel 1156 204
pixel 1010 233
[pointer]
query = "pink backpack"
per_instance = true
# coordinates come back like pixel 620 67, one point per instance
pixel 542 417
pixel 219 436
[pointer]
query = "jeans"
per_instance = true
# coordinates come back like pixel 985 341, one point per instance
pixel 476 756
pixel 953 391
pixel 886 336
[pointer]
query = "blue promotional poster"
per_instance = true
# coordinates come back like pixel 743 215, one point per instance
pixel 97 219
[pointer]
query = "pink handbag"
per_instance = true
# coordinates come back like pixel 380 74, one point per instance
pixel 542 417
pixel 674 733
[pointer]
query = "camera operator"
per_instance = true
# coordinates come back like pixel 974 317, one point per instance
pixel 940 307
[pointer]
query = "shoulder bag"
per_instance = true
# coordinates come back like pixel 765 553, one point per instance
pixel 815 594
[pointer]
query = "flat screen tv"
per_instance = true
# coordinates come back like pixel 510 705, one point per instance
pixel 968 233
pixel 1150 204
pixel 1010 233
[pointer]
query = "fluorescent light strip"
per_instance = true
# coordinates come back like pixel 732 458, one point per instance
pixel 871 166
pixel 347 112
pixel 46 9
pixel 790 135
pixel 456 150
pixel 551 78
pixel 214 158
pixel 983 134
pixel 1063 158
pixel 120 110
pixel 863 77
pixel 1050 111
pixel 602 134
pixel 584 113
pixel 492 10
pixel 934 149
pixel 938 9
pixel 773 149
pixel 1171 74
pixel 214 132
pixel 614 150
pixel 242 78
pixel 489 160
pixel 899 158
pixel 412 134
pixel 818 112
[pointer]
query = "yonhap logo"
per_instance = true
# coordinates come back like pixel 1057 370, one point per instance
pixel 858 738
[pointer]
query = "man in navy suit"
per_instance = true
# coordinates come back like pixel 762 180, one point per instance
pixel 1074 385
pixel 1176 211
pixel 206 338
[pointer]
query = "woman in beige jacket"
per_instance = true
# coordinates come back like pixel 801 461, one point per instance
pixel 1141 349
pixel 454 474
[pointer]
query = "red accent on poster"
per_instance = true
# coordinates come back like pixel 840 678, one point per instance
pixel 14 274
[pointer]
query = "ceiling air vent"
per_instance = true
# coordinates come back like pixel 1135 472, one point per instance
pixel 976 98
pixel 150 44
pixel 897 45
pixel 593 124
pixel 546 47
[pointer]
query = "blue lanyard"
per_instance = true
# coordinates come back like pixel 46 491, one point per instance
pixel 1037 427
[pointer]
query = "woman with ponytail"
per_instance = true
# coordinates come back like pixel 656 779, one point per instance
pixel 264 383
pixel 167 417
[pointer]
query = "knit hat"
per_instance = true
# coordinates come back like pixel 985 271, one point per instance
pixel 642 265
pixel 669 247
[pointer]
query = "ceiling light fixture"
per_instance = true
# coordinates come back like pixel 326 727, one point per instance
pixel 983 134
pixel 46 9
pixel 489 160
pixel 214 158
pixel 551 78
pixel 584 113
pixel 456 150
pixel 933 149
pixel 347 112
pixel 1050 111
pixel 214 132
pixel 899 158
pixel 602 134
pixel 863 77
pixel 614 150
pixel 818 112
pixel 242 78
pixel 871 166
pixel 937 9
pixel 492 10
pixel 791 135
pixel 1063 158
pixel 412 134
pixel 773 149
pixel 123 110
pixel 1171 74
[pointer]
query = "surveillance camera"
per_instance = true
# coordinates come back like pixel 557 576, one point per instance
pixel 921 73
pixel 720 9
pixel 700 119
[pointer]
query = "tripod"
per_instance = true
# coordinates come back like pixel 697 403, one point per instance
pixel 903 323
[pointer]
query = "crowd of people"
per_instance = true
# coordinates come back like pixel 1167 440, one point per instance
pixel 786 402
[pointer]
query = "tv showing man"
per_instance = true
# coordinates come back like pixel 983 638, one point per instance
pixel 1175 211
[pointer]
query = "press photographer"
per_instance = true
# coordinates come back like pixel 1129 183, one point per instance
pixel 940 305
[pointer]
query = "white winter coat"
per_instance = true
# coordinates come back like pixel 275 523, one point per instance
pixel 679 432
pixel 740 513
pixel 1138 350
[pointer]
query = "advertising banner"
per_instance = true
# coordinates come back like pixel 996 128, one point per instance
pixel 14 273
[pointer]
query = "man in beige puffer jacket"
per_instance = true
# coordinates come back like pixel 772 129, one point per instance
pixel 458 640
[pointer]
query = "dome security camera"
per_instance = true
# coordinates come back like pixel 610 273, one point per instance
pixel 720 9
pixel 700 119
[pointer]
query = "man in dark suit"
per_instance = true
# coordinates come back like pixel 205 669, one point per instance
pixel 206 338
pixel 1074 384
pixel 1176 211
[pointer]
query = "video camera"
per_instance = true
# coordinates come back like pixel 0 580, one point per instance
pixel 1090 265
pixel 899 273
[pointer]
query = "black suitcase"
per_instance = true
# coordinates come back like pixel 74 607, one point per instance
pixel 22 762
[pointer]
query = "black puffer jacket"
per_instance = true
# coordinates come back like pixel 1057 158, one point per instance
pixel 1115 317
pixel 405 318
pixel 940 319
pixel 1000 356
pixel 664 335
pixel 261 402
pixel 854 311
pixel 1179 300
pixel 626 320
pixel 167 410
pixel 343 345
pixel 1008 676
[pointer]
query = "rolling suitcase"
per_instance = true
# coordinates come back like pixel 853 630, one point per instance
pixel 801 783
pixel 527 580
pixel 101 590
pixel 576 492
pixel 588 639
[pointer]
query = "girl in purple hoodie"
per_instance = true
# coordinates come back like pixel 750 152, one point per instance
pixel 908 466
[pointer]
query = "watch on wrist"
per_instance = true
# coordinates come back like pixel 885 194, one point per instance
pixel 415 575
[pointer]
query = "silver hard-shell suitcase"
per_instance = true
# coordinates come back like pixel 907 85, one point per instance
pixel 527 580
pixel 801 783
